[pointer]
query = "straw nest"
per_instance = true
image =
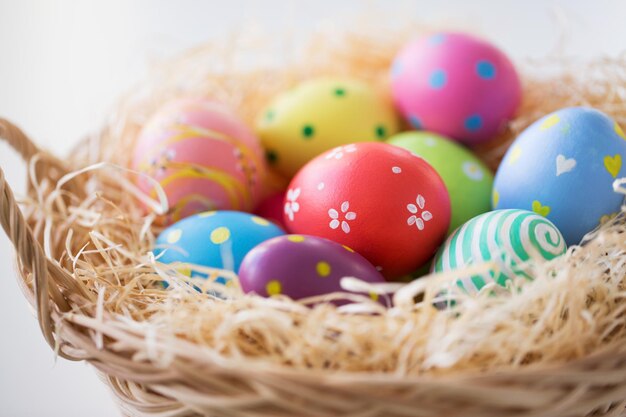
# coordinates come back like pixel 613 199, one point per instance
pixel 553 346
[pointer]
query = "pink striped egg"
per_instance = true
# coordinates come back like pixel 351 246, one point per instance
pixel 203 157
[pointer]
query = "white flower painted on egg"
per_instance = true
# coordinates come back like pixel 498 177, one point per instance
pixel 418 218
pixel 341 219
pixel 291 205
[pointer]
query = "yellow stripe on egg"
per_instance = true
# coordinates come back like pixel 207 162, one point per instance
pixel 196 132
pixel 219 178
pixel 222 176
pixel 180 206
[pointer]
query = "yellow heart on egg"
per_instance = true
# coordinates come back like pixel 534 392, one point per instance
pixel 516 152
pixel 619 131
pixel 495 198
pixel 550 121
pixel 541 210
pixel 613 164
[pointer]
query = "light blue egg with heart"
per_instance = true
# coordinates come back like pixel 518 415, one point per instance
pixel 215 239
pixel 563 167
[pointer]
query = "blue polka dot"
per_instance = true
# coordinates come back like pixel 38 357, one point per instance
pixel 437 79
pixel 415 121
pixel 473 123
pixel 486 70
pixel 436 39
pixel 396 68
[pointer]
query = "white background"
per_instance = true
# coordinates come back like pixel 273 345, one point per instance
pixel 63 63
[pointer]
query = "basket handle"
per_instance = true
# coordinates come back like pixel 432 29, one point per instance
pixel 29 251
pixel 18 140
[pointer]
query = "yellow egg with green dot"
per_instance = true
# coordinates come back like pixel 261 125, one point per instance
pixel 319 115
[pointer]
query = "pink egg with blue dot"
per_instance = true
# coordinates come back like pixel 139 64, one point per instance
pixel 301 266
pixel 456 85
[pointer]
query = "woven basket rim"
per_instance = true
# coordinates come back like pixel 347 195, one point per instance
pixel 456 385
pixel 578 387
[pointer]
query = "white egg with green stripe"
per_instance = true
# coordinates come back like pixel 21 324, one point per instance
pixel 508 237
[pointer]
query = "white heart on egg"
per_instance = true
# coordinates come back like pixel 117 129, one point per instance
pixel 564 165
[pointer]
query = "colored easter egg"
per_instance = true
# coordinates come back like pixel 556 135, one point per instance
pixel 302 266
pixel 456 85
pixel 319 115
pixel 203 157
pixel 215 239
pixel 563 167
pixel 508 237
pixel 384 202
pixel 467 178
pixel 272 208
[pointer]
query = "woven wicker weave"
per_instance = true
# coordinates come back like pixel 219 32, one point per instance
pixel 197 381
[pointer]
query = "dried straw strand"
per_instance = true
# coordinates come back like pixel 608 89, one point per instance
pixel 541 348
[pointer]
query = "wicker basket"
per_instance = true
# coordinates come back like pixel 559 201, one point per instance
pixel 159 374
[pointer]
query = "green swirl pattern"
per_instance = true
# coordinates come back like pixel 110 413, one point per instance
pixel 509 237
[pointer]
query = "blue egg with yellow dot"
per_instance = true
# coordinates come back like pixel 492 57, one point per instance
pixel 214 239
pixel 563 167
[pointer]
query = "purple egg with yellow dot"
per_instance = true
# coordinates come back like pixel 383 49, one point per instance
pixel 301 266
pixel 456 85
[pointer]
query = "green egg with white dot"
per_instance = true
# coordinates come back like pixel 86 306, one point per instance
pixel 468 180
pixel 214 239
pixel 510 238
pixel 322 114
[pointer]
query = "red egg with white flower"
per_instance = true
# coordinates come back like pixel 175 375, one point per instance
pixel 386 203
